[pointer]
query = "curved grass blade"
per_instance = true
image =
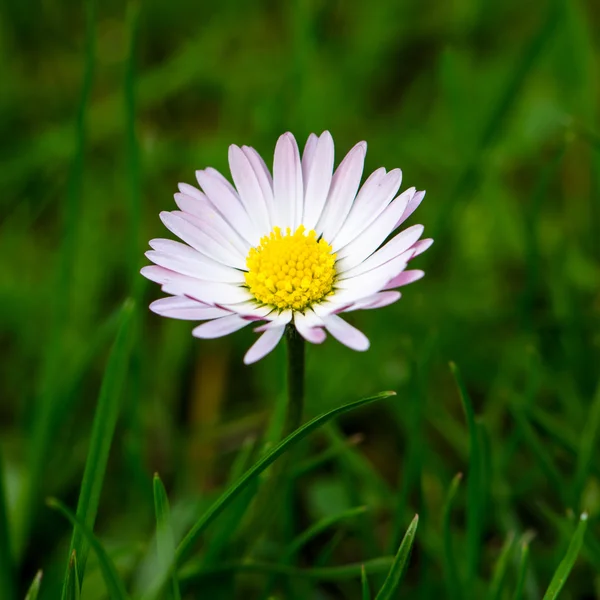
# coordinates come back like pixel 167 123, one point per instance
pixel 72 583
pixel 6 558
pixel 372 567
pixel 392 581
pixel 103 429
pixel 366 590
pixel 523 564
pixel 233 491
pixel 114 584
pixel 475 483
pixel 34 589
pixel 500 569
pixel 451 571
pixel 565 566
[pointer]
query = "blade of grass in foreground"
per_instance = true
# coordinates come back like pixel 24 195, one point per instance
pixel 451 572
pixel 565 566
pixel 72 583
pixel 233 491
pixel 475 491
pixel 523 564
pixel 34 589
pixel 165 544
pixel 500 569
pixel 6 558
pixel 103 429
pixel 114 585
pixel 392 581
pixel 366 590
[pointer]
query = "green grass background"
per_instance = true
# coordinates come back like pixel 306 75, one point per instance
pixel 492 107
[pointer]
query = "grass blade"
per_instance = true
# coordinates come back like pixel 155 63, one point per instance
pixel 114 585
pixel 451 571
pixel 6 558
pixel 566 564
pixel 233 491
pixel 475 491
pixel 523 564
pixel 500 569
pixel 72 583
pixel 103 429
pixel 34 589
pixel 390 585
pixel 165 543
pixel 366 590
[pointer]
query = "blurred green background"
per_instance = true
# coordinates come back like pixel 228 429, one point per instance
pixel 492 107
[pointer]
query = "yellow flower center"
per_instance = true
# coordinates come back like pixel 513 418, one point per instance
pixel 293 270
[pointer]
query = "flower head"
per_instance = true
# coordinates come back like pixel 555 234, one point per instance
pixel 297 248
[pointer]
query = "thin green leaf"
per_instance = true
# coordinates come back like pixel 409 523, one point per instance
pixel 392 581
pixel 500 569
pixel 233 491
pixel 366 590
pixel 586 449
pixel 114 584
pixel 105 420
pixel 34 589
pixel 351 571
pixel 475 489
pixel 165 544
pixel 72 584
pixel 450 569
pixel 522 574
pixel 7 584
pixel 565 566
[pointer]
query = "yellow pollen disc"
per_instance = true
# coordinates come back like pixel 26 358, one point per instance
pixel 292 270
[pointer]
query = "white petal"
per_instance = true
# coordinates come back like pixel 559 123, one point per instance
pixel 364 245
pixel 317 179
pixel 219 327
pixel 263 175
pixel 265 343
pixel 287 183
pixel 378 300
pixel 278 319
pixel 308 157
pixel 176 307
pixel 346 333
pixel 205 291
pixel 183 259
pixel 249 189
pixel 421 246
pixel 307 329
pixel 375 194
pixel 342 193
pixel 404 278
pixel 224 198
pixel 396 246
pixel 411 207
pixel 201 241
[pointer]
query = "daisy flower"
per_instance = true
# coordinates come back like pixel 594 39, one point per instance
pixel 293 249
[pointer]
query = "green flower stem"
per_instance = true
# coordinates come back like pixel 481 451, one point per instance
pixel 295 381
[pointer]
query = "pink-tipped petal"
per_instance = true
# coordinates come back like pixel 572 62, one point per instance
pixel 219 327
pixel 287 183
pixel 344 185
pixel 224 198
pixel 421 246
pixel 347 334
pixel 372 199
pixel 307 329
pixel 249 189
pixel 378 300
pixel 265 344
pixel 318 174
pixel 411 207
pixel 404 278
pixel 263 176
pixel 282 318
pixel 176 307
